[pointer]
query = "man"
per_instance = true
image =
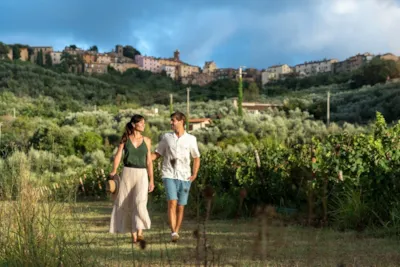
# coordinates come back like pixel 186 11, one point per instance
pixel 176 148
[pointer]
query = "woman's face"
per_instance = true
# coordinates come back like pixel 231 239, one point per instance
pixel 139 126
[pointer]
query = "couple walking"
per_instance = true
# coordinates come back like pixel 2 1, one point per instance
pixel 130 206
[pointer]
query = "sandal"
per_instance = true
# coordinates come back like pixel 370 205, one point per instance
pixel 140 238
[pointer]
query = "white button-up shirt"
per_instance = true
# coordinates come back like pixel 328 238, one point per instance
pixel 176 152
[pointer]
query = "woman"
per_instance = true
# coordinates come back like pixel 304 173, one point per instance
pixel 130 207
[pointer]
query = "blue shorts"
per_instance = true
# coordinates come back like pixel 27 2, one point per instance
pixel 177 190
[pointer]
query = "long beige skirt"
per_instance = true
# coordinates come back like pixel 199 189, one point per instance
pixel 130 207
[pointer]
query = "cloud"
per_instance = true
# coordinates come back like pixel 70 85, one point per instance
pixel 196 33
pixel 344 7
pixel 351 26
pixel 336 28
pixel 255 34
pixel 101 22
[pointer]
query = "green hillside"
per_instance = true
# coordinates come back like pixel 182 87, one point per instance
pixel 51 91
pixel 72 91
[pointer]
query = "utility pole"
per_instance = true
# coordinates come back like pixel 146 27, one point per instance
pixel 240 93
pixel 187 108
pixel 171 104
pixel 328 111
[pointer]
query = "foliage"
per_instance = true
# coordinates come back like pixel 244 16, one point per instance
pixel 347 105
pixel 358 171
pixel 240 97
pixel 88 142
pixel 16 52
pixel 216 90
pixel 129 51
pixel 54 138
pixel 252 92
pixel 286 143
pixel 376 71
pixel 4 49
pixel 40 58
pixel 72 63
pixel 293 83
pixel 62 136
pixel 74 92
pixel 94 48
pixel 35 227
pixel 71 92
pixel 48 60
pixel 77 93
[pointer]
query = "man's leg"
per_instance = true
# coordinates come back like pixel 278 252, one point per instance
pixel 183 195
pixel 172 214
pixel 172 198
pixel 179 217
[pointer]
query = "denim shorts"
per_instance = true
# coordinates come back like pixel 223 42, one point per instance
pixel 177 190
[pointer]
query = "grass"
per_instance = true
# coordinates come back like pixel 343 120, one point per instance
pixel 36 230
pixel 246 242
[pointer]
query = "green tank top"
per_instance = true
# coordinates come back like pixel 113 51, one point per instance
pixel 135 157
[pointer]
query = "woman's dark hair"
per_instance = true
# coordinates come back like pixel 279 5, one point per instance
pixel 129 127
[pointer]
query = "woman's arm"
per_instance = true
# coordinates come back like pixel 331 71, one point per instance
pixel 117 159
pixel 149 164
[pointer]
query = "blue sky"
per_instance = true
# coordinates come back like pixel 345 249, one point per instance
pixel 233 33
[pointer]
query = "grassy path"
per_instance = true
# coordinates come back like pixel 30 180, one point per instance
pixel 232 243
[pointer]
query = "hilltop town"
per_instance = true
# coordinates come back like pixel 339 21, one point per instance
pixel 91 61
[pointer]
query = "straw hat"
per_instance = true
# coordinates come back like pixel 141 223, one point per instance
pixel 112 186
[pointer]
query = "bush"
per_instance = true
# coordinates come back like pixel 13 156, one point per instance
pixel 88 142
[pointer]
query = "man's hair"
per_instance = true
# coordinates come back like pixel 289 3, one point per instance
pixel 179 116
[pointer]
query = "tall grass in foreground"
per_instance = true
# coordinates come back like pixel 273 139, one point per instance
pixel 42 226
pixel 36 228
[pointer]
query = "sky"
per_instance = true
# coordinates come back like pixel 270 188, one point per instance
pixel 233 33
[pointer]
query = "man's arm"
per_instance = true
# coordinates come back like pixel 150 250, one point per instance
pixel 194 151
pixel 160 150
pixel 196 167
pixel 155 156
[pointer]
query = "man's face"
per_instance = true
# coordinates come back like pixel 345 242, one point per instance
pixel 175 124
